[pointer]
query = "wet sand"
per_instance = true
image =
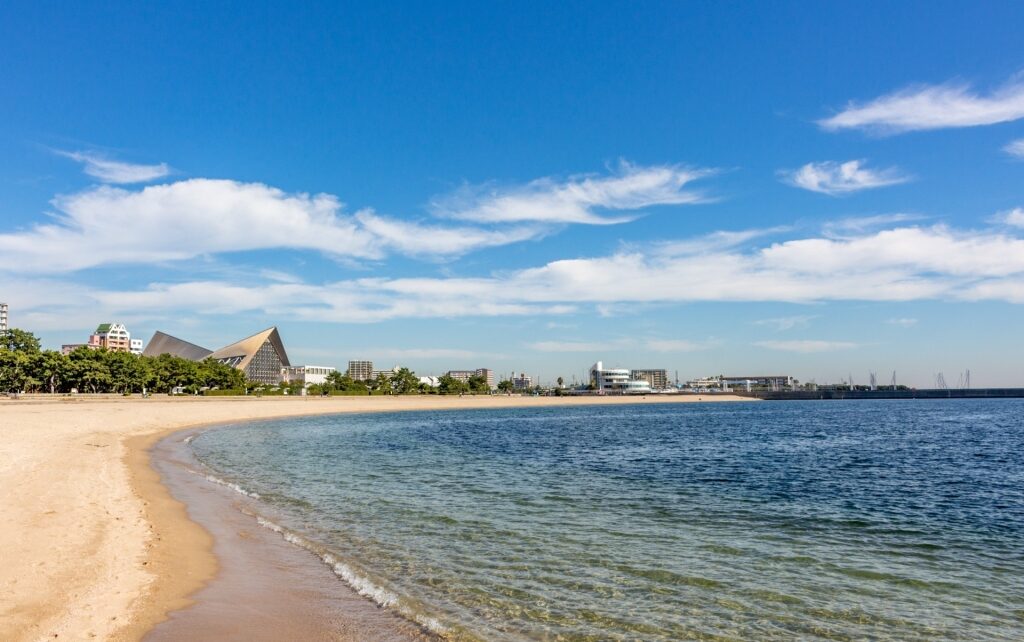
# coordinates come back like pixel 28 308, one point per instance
pixel 92 544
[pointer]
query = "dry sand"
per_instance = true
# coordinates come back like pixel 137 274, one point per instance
pixel 92 546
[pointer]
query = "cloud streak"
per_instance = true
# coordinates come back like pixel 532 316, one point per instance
pixel 839 179
pixel 111 171
pixel 581 199
pixel 1015 148
pixel 925 107
pixel 806 346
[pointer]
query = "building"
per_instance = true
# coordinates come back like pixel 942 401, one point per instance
pixel 432 382
pixel 387 374
pixel 3 318
pixel 464 375
pixel 68 348
pixel 112 336
pixel 616 380
pixel 705 383
pixel 308 375
pixel 360 370
pixel 770 382
pixel 261 357
pixel 521 381
pixel 657 379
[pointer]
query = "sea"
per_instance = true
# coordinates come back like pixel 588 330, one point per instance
pixel 810 520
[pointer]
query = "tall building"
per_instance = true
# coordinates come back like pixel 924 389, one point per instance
pixel 3 318
pixel 360 370
pixel 657 379
pixel 112 336
pixel 522 381
pixel 464 375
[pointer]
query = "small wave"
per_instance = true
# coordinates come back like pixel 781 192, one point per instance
pixel 233 486
pixel 188 440
pixel 360 584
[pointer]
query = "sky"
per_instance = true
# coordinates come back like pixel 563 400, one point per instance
pixel 820 190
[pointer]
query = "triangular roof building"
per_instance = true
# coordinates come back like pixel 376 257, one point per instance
pixel 261 356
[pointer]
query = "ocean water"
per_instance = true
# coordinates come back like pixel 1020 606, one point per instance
pixel 857 520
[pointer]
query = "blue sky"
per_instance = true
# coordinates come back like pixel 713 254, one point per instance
pixel 816 190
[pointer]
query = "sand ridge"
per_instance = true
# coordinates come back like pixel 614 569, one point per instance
pixel 92 546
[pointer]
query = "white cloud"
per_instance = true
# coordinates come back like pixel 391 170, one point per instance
pixel 860 224
pixel 925 107
pixel 183 220
pixel 903 323
pixel 431 353
pixel 806 346
pixel 715 241
pixel 1015 148
pixel 835 179
pixel 110 171
pixel 576 346
pixel 902 264
pixel 577 200
pixel 787 323
pixel 1014 217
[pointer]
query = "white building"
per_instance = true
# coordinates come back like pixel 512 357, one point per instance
pixel 3 318
pixel 308 375
pixel 136 346
pixel 433 382
pixel 616 380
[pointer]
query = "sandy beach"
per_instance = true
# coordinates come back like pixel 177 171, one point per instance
pixel 92 545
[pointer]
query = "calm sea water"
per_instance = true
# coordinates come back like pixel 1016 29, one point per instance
pixel 831 520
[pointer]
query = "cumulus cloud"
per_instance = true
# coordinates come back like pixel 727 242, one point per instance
pixel 806 346
pixel 111 171
pixel 580 199
pixel 836 179
pixel 924 107
pixel 1015 148
pixel 1014 217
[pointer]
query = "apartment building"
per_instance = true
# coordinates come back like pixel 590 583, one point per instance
pixel 656 378
pixel 360 370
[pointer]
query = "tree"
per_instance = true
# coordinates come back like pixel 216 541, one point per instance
pixel 405 382
pixel 448 385
pixel 381 383
pixel 14 370
pixel 505 385
pixel 478 384
pixel 17 340
pixel 561 382
pixel 51 368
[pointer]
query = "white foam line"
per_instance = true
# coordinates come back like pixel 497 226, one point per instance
pixel 361 585
pixel 235 487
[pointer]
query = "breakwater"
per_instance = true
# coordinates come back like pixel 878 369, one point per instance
pixel 921 393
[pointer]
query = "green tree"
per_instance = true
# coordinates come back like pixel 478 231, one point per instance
pixel 561 382
pixel 381 384
pixel 405 382
pixel 505 385
pixel 88 370
pixel 17 340
pixel 15 370
pixel 448 385
pixel 478 384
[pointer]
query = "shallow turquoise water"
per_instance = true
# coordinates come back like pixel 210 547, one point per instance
pixel 811 520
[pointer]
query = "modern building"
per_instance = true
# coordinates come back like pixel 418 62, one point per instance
pixel 433 382
pixel 387 374
pixel 657 378
pixel 360 370
pixel 771 382
pixel 136 346
pixel 261 357
pixel 308 375
pixel 464 375
pixel 616 380
pixel 521 381
pixel 112 336
pixel 3 318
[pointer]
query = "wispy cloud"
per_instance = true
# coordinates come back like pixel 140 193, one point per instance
pixel 806 346
pixel 680 345
pixel 580 346
pixel 924 107
pixel 1014 217
pixel 781 324
pixel 581 199
pixel 902 322
pixel 111 171
pixel 431 353
pixel 836 179
pixel 858 225
pixel 1015 148
pixel 715 241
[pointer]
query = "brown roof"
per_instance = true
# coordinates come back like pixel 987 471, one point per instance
pixel 246 348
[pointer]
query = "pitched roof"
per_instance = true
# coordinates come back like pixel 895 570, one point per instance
pixel 247 348
pixel 103 327
pixel 162 343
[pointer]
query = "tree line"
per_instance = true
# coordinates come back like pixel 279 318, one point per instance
pixel 24 367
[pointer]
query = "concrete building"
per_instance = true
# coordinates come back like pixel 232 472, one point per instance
pixel 657 379
pixel 308 375
pixel 136 346
pixel 3 318
pixel 360 370
pixel 616 380
pixel 433 382
pixel 522 381
pixel 68 348
pixel 464 375
pixel 387 374
pixel 112 336
pixel 771 382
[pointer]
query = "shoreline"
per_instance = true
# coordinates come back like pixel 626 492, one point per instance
pixel 118 573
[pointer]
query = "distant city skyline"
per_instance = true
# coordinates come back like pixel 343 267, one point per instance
pixel 781 189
